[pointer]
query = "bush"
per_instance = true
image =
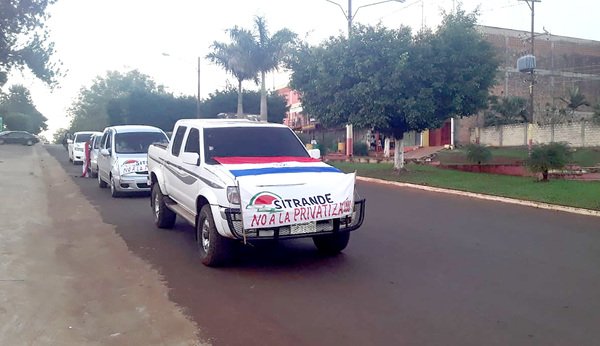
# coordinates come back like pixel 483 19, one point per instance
pixel 478 153
pixel 549 156
pixel 360 149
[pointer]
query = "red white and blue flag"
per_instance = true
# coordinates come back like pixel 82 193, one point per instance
pixel 244 166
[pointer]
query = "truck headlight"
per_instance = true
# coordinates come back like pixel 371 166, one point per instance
pixel 233 195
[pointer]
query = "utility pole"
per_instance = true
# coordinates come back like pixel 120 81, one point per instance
pixel 198 99
pixel 531 75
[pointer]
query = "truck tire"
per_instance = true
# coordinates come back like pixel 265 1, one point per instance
pixel 332 244
pixel 101 183
pixel 113 188
pixel 29 142
pixel 163 216
pixel 213 248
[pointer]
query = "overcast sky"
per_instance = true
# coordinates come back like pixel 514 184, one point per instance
pixel 94 36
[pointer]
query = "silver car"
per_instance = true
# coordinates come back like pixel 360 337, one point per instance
pixel 94 151
pixel 123 157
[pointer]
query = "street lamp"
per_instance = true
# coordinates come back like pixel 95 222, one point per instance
pixel 198 96
pixel 350 16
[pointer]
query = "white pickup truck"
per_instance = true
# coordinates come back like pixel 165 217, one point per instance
pixel 245 181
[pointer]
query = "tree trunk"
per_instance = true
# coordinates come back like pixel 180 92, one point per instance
pixel 386 147
pixel 240 107
pixel 545 175
pixel 399 154
pixel 263 99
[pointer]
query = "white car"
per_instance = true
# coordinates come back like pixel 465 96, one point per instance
pixel 123 157
pixel 76 146
pixel 94 152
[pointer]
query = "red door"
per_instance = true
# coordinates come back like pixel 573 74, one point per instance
pixel 441 136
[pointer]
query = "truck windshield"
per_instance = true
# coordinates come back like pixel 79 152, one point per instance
pixel 251 142
pixel 137 142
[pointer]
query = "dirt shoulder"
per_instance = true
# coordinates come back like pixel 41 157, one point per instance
pixel 66 278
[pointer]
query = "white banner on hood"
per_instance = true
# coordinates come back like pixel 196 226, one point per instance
pixel 295 198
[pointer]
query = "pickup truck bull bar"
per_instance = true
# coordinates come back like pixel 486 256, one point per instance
pixel 346 224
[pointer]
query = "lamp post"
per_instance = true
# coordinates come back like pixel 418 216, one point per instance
pixel 350 17
pixel 198 94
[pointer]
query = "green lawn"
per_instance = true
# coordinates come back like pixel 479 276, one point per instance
pixel 563 192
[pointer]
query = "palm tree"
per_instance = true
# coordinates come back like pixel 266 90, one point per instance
pixel 575 100
pixel 270 51
pixel 237 58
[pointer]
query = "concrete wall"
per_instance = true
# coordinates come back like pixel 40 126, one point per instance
pixel 581 134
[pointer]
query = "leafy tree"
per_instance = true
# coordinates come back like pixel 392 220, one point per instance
pixel 143 107
pixel 89 111
pixel 393 82
pixel 236 58
pixel 24 39
pixel 549 156
pixel 506 110
pixel 269 53
pixel 478 153
pixel 19 113
pixel 58 135
pixel 225 101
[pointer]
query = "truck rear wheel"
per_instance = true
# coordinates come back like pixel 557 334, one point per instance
pixel 332 244
pixel 213 248
pixel 163 216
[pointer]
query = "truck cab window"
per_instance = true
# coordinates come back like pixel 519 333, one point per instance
pixel 178 140
pixel 192 145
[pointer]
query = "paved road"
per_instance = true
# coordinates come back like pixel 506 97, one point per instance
pixel 425 269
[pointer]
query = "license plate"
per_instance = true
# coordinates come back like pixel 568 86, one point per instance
pixel 303 228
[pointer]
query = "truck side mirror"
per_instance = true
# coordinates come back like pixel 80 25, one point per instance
pixel 315 153
pixel 105 152
pixel 190 158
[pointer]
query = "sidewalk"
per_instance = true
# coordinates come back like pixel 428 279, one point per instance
pixel 66 278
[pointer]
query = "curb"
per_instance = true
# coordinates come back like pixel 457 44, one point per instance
pixel 539 205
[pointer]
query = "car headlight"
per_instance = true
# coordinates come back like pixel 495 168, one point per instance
pixel 233 195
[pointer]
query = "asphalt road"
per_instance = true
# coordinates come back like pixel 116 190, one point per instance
pixel 425 269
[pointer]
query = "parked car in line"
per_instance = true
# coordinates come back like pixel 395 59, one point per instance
pixel 123 157
pixel 76 146
pixel 18 137
pixel 94 151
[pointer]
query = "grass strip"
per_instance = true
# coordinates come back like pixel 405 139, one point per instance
pixel 580 194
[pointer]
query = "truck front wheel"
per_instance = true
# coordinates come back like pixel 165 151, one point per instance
pixel 332 244
pixel 163 216
pixel 213 248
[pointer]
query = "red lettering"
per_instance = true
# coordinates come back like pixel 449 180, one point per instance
pixel 296 214
pixel 287 217
pixel 319 212
pixel 303 214
pixel 272 220
pixel 254 220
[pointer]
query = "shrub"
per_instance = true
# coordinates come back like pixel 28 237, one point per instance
pixel 478 153
pixel 549 156
pixel 360 149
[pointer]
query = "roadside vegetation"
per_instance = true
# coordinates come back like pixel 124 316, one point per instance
pixel 578 194
pixel 584 157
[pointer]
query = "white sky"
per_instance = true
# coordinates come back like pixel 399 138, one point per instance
pixel 94 36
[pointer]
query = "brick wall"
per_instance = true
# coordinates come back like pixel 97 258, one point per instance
pixel 513 135
pixel 575 134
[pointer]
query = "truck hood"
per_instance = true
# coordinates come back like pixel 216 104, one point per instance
pixel 280 191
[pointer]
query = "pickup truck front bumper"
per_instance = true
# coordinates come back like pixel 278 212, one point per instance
pixel 346 224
